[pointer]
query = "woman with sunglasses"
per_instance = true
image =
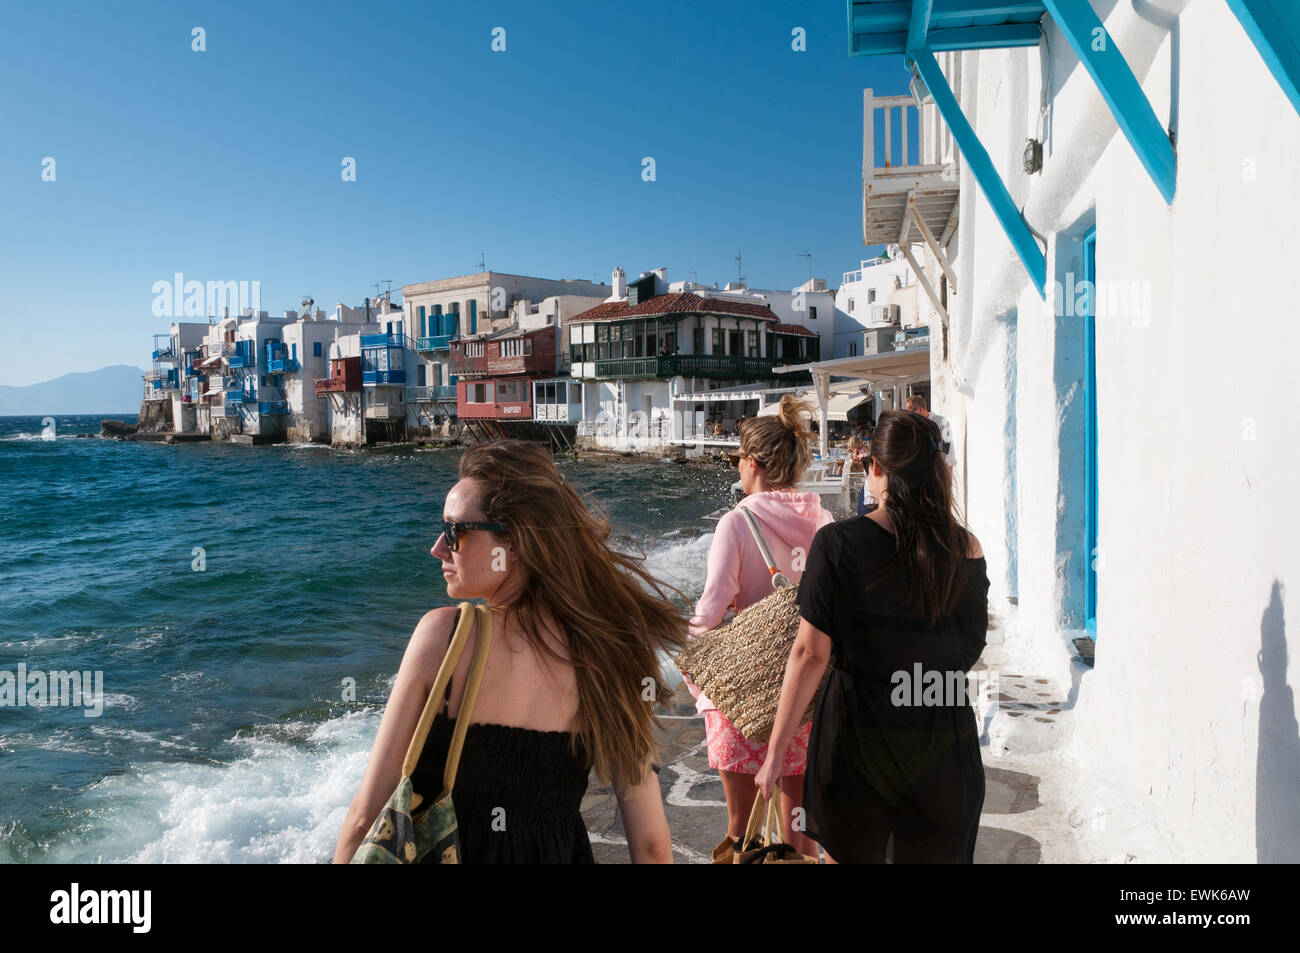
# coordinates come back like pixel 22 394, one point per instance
pixel 578 630
pixel 774 453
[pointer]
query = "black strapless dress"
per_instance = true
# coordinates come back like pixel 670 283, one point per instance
pixel 517 795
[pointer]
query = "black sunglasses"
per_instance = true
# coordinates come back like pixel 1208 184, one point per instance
pixel 453 530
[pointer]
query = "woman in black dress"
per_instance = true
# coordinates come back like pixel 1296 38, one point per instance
pixel 897 602
pixel 573 667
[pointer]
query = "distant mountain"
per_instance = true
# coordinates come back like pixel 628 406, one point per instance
pixel 109 390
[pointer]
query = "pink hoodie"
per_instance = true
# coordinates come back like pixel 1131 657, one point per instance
pixel 737 575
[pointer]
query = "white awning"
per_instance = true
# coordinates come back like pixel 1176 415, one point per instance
pixel 837 406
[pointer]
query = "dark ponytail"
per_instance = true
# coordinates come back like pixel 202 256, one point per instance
pixel 932 543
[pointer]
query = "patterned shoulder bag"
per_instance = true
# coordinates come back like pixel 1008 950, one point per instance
pixel 405 831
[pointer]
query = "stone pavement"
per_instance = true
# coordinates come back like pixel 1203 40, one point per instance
pixel 1016 827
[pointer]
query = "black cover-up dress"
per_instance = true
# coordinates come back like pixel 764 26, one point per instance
pixel 877 769
pixel 517 793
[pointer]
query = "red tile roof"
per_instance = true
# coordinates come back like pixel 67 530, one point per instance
pixel 684 302
pixel 792 329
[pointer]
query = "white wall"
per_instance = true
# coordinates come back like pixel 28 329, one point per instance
pixel 1189 715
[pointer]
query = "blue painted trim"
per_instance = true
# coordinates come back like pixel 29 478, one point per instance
pixel 896 15
pixel 1090 431
pixel 1274 28
pixel 964 38
pixel 1120 89
pixel 981 166
pixel 918 26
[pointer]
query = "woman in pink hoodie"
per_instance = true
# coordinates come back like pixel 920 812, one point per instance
pixel 774 453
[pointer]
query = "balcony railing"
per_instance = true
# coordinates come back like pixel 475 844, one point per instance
pixel 391 376
pixel 386 340
pixel 163 353
pixel 240 397
pixel 282 365
pixel 230 410
pixel 446 393
pixel 716 366
pixel 273 408
pixel 238 359
pixel 436 342
pixel 330 385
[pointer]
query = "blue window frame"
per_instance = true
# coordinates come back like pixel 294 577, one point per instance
pixel 1090 431
pixel 315 349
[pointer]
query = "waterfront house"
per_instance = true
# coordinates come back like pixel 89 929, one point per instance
pixel 253 397
pixel 479 304
pixel 388 360
pixel 168 387
pixel 304 359
pixel 636 352
pixel 1128 468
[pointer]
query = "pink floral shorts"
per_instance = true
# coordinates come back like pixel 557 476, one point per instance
pixel 729 750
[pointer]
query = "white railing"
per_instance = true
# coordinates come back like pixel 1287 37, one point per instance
pixel 931 151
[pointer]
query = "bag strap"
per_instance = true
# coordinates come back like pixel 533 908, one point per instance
pixel 464 625
pixel 476 666
pixel 779 579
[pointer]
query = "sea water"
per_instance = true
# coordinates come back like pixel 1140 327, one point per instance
pixel 226 593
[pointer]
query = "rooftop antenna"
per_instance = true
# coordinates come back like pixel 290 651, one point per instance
pixel 808 255
pixel 740 279
pixel 694 277
pixel 481 265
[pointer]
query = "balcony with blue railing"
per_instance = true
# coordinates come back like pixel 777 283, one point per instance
pixel 243 355
pixel 279 359
pixel 273 408
pixel 162 347
pixel 434 342
pixel 239 396
pixel 386 340
pixel 395 375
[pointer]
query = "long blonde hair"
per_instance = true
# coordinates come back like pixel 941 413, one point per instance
pixel 616 619
pixel 779 444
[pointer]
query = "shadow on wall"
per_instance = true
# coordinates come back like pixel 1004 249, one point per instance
pixel 1277 769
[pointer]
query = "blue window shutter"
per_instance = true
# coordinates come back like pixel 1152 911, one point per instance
pixel 315 349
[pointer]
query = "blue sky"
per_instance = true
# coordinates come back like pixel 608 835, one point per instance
pixel 225 165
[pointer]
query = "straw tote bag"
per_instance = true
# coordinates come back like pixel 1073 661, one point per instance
pixel 740 665
pixel 406 832
pixel 764 840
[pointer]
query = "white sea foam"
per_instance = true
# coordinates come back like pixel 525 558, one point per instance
pixel 681 563
pixel 282 802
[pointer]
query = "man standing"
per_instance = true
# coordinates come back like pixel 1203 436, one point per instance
pixel 916 404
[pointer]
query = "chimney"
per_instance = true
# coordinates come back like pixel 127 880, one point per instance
pixel 620 283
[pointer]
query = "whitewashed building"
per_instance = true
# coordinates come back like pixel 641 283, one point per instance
pixel 1129 467
pixel 877 296
pixel 636 353
pixel 479 304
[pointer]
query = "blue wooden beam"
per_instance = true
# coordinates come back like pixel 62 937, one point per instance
pixel 893 16
pixel 981 167
pixel 917 27
pixel 1274 27
pixel 1119 88
pixel 964 38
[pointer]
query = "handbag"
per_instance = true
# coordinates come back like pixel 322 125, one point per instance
pixel 764 840
pixel 406 832
pixel 740 666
